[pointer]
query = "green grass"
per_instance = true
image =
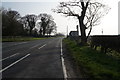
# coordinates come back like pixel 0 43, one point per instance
pixel 95 64
pixel 20 39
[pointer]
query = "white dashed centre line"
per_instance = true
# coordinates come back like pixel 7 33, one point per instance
pixel 42 46
pixel 9 57
pixel 14 63
pixel 34 46
pixel 20 43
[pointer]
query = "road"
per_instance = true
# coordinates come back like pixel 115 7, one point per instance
pixel 33 59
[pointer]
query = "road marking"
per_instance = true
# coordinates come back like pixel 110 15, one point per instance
pixel 58 43
pixel 9 57
pixel 42 46
pixel 14 63
pixel 34 46
pixel 63 64
pixel 20 43
pixel 13 44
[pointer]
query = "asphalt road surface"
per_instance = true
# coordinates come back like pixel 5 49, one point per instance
pixel 33 59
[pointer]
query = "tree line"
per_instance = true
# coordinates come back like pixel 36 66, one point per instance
pixel 13 24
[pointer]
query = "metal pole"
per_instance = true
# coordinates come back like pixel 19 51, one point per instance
pixel 67 31
pixel 102 31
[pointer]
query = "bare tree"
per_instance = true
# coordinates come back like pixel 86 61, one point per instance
pixel 87 12
pixel 47 24
pixel 51 27
pixel 29 22
pixel 35 32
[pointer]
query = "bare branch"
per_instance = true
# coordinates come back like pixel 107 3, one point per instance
pixel 75 5
pixel 89 15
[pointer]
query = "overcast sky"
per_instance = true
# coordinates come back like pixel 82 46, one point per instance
pixel 109 23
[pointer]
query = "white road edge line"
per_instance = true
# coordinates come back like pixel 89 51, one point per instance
pixel 58 43
pixel 42 46
pixel 14 63
pixel 9 57
pixel 63 64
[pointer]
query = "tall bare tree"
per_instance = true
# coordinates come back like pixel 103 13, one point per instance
pixel 29 22
pixel 47 24
pixel 51 27
pixel 88 13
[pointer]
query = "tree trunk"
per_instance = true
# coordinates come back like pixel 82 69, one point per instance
pixel 30 32
pixel 44 30
pixel 83 32
pixel 89 31
pixel 81 22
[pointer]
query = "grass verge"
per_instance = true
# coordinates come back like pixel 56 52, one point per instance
pixel 96 65
pixel 16 39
